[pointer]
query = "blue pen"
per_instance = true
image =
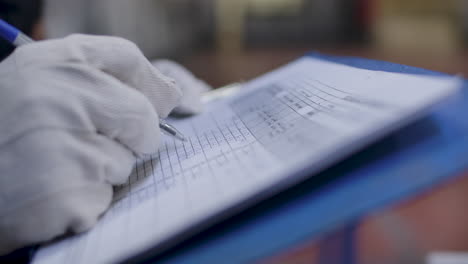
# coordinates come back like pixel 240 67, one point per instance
pixel 18 38
pixel 13 35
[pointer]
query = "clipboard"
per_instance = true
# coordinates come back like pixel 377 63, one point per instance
pixel 404 164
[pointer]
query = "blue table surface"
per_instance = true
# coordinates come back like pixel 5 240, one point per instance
pixel 404 164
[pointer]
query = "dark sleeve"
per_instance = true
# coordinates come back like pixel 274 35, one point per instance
pixel 20 256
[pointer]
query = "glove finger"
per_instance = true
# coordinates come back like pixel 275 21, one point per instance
pixel 123 60
pixel 118 160
pixel 117 57
pixel 192 87
pixel 132 121
pixel 118 112
pixel 64 190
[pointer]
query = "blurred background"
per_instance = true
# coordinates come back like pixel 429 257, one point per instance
pixel 224 41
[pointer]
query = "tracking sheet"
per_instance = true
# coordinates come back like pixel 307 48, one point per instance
pixel 279 128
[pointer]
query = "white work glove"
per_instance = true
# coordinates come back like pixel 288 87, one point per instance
pixel 192 88
pixel 73 113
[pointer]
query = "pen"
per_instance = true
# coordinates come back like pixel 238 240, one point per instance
pixel 18 38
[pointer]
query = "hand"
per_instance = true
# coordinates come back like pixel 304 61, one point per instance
pixel 192 88
pixel 73 113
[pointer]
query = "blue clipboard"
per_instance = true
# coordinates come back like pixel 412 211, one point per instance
pixel 404 164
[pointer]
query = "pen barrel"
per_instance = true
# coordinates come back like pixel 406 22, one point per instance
pixel 8 32
pixel 13 35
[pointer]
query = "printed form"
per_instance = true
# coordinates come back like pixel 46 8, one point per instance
pixel 302 117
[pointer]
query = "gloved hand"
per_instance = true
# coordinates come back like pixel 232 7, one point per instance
pixel 192 88
pixel 73 113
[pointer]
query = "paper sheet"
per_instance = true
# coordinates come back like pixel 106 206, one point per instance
pixel 303 116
